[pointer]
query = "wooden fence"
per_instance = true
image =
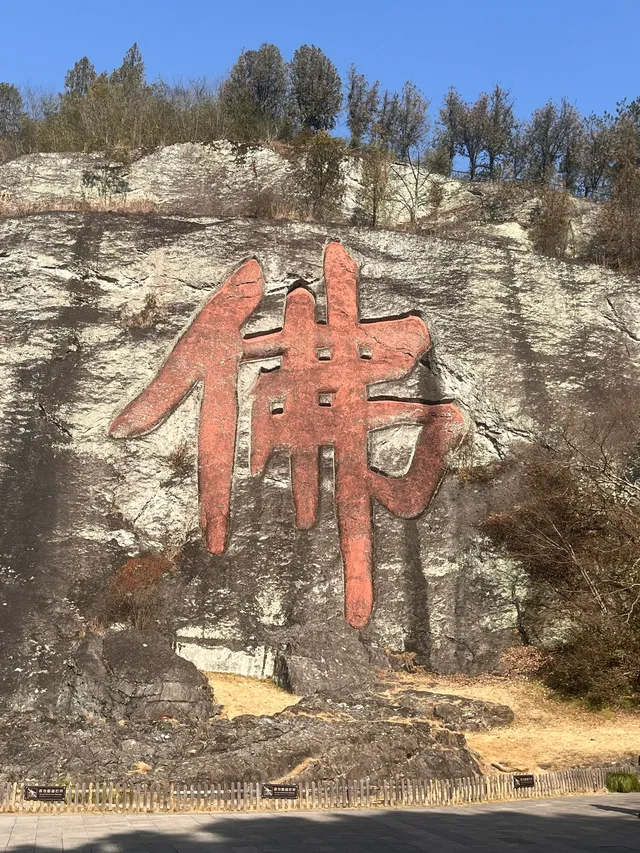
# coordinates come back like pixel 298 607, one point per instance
pixel 165 797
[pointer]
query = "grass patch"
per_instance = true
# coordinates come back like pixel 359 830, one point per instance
pixel 10 208
pixel 622 783
pixel 240 694
pixel 548 733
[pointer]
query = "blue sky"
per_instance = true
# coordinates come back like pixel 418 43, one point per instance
pixel 584 50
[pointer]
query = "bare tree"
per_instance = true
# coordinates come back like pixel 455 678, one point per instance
pixel 375 191
pixel 412 182
pixel 570 515
pixel 617 240
pixel 499 127
pixel 551 230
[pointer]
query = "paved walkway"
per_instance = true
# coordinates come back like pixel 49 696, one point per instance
pixel 585 824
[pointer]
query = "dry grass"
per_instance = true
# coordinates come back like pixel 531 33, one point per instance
pixel 548 733
pixel 12 208
pixel 148 316
pixel 239 694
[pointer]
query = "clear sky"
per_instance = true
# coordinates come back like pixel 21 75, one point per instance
pixel 586 50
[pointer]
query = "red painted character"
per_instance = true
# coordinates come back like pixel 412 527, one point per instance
pixel 318 397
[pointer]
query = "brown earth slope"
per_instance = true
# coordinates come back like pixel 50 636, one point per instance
pixel 547 734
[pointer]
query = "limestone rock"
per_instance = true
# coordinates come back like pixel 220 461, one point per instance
pixel 296 747
pixel 519 341
pixel 328 656
pixel 127 675
pixel 452 712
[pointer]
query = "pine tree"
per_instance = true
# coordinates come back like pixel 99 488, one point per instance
pixel 78 80
pixel 316 89
pixel 11 108
pixel 131 73
pixel 254 97
pixel 362 106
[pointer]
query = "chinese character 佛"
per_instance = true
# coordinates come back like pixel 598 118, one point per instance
pixel 316 398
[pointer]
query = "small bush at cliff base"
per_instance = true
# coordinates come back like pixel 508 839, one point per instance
pixel 138 593
pixel 622 783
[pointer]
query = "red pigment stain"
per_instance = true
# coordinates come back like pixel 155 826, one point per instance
pixel 317 398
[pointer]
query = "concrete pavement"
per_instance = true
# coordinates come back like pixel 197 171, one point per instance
pixel 585 824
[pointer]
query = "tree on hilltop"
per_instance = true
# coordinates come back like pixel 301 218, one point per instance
pixel 11 108
pixel 254 97
pixel 499 127
pixel 79 78
pixel 449 121
pixel 550 136
pixel 362 106
pixel 131 73
pixel 316 88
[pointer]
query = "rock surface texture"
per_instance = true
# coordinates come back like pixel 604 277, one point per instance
pixel 91 305
pixel 127 675
pixel 324 737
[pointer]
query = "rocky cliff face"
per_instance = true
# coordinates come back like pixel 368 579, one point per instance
pixel 92 305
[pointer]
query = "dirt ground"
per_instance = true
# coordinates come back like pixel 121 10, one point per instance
pixel 548 734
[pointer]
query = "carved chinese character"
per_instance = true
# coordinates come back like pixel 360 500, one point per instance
pixel 317 398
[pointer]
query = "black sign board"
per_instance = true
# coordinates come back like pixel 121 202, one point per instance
pixel 524 781
pixel 48 793
pixel 280 792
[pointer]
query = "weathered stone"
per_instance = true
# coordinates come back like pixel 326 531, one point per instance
pixel 297 747
pixel 469 715
pixel 454 712
pixel 131 676
pixel 328 656
pixel 519 341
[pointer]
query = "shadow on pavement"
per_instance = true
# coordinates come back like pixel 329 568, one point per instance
pixel 633 812
pixel 576 824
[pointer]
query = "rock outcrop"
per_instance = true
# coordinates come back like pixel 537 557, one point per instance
pixel 91 306
pixel 310 741
pixel 456 713
pixel 326 655
pixel 128 675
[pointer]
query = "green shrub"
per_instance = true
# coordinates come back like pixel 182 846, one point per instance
pixel 319 174
pixel 622 783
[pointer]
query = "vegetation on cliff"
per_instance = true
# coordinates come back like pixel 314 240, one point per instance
pixel 266 99
pixel 570 515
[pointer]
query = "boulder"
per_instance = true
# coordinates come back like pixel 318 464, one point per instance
pixel 329 656
pixel 456 713
pixel 134 676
